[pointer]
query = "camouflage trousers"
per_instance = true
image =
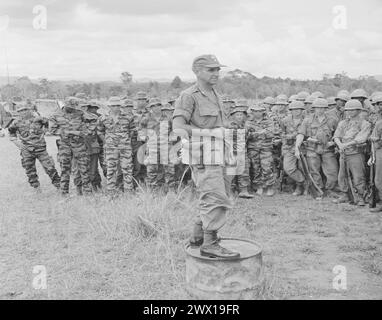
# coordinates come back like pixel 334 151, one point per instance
pixel 355 164
pixel 122 156
pixel 241 182
pixel 329 165
pixel 213 187
pixel 139 170
pixel 28 161
pixel 261 161
pixel 292 166
pixel 94 176
pixel 73 150
pixel 159 174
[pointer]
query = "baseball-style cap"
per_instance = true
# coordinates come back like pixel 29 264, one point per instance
pixel 206 60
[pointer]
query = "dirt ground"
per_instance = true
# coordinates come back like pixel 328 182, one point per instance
pixel 94 248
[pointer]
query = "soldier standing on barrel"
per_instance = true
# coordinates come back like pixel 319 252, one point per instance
pixel 199 107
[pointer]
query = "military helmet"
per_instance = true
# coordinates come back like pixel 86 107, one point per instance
pixel 377 98
pixel 20 106
pixel 80 95
pixel 353 105
pixel 331 101
pixel 342 95
pixel 141 95
pixel 282 99
pixel 358 93
pixel 154 101
pixel 292 98
pixel 302 95
pixel 72 102
pixel 317 94
pixel 256 107
pixel 115 101
pixel 227 98
pixel 93 103
pixel 269 100
pixel 241 103
pixel 294 105
pixel 239 109
pixel 309 99
pixel 127 103
pixel 320 103
pixel 374 94
pixel 166 106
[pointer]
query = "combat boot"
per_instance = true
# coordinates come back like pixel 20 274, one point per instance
pixel 361 203
pixel 299 191
pixel 196 239
pixel 270 192
pixel 211 248
pixel 259 191
pixel 245 194
pixel 343 199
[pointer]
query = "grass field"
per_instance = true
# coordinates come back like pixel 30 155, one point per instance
pixel 94 248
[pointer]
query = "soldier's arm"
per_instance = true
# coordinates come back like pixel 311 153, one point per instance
pixel 363 134
pixel 100 127
pixel 54 127
pixel 13 129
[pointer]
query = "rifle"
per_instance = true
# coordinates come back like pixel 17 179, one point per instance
pixel 313 188
pixel 372 193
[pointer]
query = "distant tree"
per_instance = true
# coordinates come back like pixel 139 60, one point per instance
pixel 176 83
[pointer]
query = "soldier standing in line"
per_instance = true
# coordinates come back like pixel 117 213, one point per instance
pixel 200 107
pixel 351 136
pixel 27 133
pixel 117 132
pixel 239 116
pixel 260 142
pixel 228 105
pixel 337 113
pixel 318 130
pixel 70 124
pixel 268 103
pixel 376 140
pixel 308 105
pixel 289 131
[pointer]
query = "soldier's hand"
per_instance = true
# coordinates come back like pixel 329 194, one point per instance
pixel 297 153
pixel 371 161
pixel 310 139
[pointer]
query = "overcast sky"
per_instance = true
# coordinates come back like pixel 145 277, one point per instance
pixel 97 40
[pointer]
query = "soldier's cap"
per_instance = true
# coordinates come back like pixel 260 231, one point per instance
pixel 358 93
pixel 20 106
pixel 317 94
pixel 257 107
pixel 206 60
pixel 241 103
pixel 294 105
pixel 166 106
pixel 309 99
pixel 331 101
pixel 353 105
pixel 269 100
pixel 141 95
pixel 302 95
pixel 154 102
pixel 342 95
pixel 115 102
pixel 320 103
pixel 377 98
pixel 239 109
pixel 127 103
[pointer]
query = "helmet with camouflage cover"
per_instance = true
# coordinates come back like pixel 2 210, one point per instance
pixel 317 94
pixel 342 95
pixel 241 103
pixel 320 103
pixel 358 93
pixel 374 94
pixel 269 100
pixel 353 104
pixel 309 99
pixel 281 99
pixel 256 107
pixel 126 103
pixel 154 102
pixel 331 101
pixel 294 105
pixel 166 107
pixel 239 109
pixel 302 95
pixel 114 102
pixel 292 98
pixel 377 98
pixel 141 95
pixel 227 98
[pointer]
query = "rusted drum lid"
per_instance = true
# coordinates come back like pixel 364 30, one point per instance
pixel 247 249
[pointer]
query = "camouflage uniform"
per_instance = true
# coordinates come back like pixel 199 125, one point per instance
pixel 260 151
pixel 71 146
pixel 30 130
pixel 119 140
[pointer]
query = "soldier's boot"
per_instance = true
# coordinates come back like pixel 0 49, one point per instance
pixel 245 194
pixel 196 239
pixel 299 191
pixel 79 190
pixel 211 247
pixel 270 192
pixel 378 208
pixel 361 202
pixel 259 191
pixel 342 199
